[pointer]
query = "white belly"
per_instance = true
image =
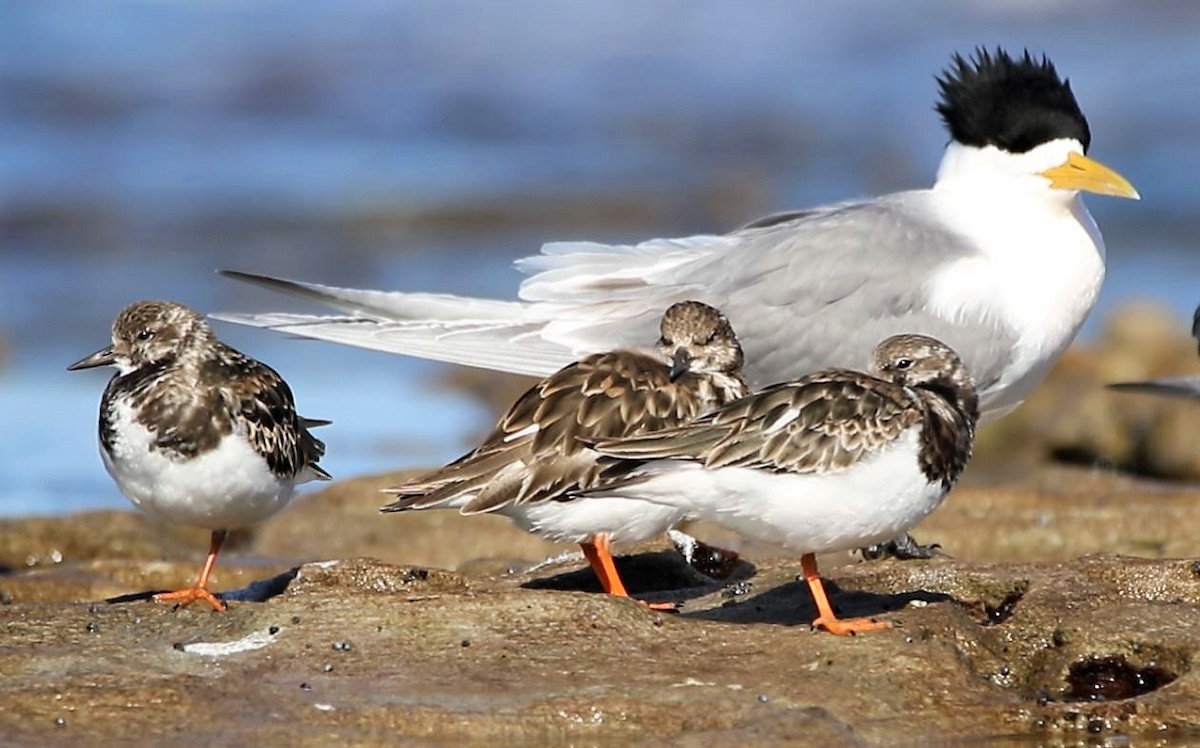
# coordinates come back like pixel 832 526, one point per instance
pixel 623 520
pixel 581 520
pixel 226 488
pixel 875 501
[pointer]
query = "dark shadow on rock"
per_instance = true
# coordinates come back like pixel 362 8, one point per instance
pixel 659 576
pixel 255 592
pixel 791 604
pixel 263 589
pixel 134 597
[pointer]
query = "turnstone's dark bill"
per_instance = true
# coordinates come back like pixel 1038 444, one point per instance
pixel 831 461
pixel 196 433
pixel 532 461
pixel 1184 387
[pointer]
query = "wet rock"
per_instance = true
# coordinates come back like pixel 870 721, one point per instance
pixel 49 541
pixel 1067 608
pixel 379 658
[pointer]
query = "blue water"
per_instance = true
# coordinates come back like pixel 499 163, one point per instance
pixel 145 144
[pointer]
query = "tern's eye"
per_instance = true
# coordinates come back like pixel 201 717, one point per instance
pixel 664 342
pixel 145 334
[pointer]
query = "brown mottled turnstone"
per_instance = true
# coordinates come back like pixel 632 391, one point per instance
pixel 530 464
pixel 196 433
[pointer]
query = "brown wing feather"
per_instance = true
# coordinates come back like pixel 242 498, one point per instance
pixel 263 402
pixel 606 395
pixel 837 416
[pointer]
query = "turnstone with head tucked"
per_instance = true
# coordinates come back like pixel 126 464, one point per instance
pixel 196 433
pixel 832 461
pixel 533 460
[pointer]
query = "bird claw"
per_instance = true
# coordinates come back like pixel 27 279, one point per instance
pixel 903 548
pixel 183 598
pixel 850 626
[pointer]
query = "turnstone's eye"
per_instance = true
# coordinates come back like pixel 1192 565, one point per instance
pixel 904 363
pixel 145 334
pixel 664 342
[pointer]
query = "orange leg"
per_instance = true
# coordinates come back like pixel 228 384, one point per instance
pixel 200 591
pixel 825 618
pixel 599 555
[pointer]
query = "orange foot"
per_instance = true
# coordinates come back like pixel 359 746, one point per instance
pixel 599 555
pixel 189 596
pixel 850 626
pixel 826 619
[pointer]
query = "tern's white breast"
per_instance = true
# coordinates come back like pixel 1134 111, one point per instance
pixel 227 487
pixel 1039 268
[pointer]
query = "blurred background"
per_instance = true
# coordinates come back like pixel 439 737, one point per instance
pixel 425 145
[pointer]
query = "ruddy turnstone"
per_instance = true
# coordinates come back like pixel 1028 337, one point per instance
pixel 532 461
pixel 196 433
pixel 1000 259
pixel 832 461
pixel 1184 387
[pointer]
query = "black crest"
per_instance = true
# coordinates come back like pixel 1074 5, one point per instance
pixel 1012 103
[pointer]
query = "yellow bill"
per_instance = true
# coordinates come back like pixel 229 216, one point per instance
pixel 1082 173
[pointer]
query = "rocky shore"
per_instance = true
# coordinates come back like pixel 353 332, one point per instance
pixel 1067 613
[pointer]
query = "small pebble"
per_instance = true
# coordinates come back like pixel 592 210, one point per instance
pixel 763 698
pixel 466 642
pixel 92 628
pixel 341 646
pixel 60 722
pixel 94 608
pixel 273 630
pixel 305 687
pixel 1095 726
pixel 295 620
pixel 328 667
pixel 177 646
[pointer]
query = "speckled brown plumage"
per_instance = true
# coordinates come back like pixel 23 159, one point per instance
pixel 832 419
pixel 535 453
pixel 194 432
pixel 191 390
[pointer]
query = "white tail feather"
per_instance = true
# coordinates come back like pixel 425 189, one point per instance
pixel 501 348
pixel 584 297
